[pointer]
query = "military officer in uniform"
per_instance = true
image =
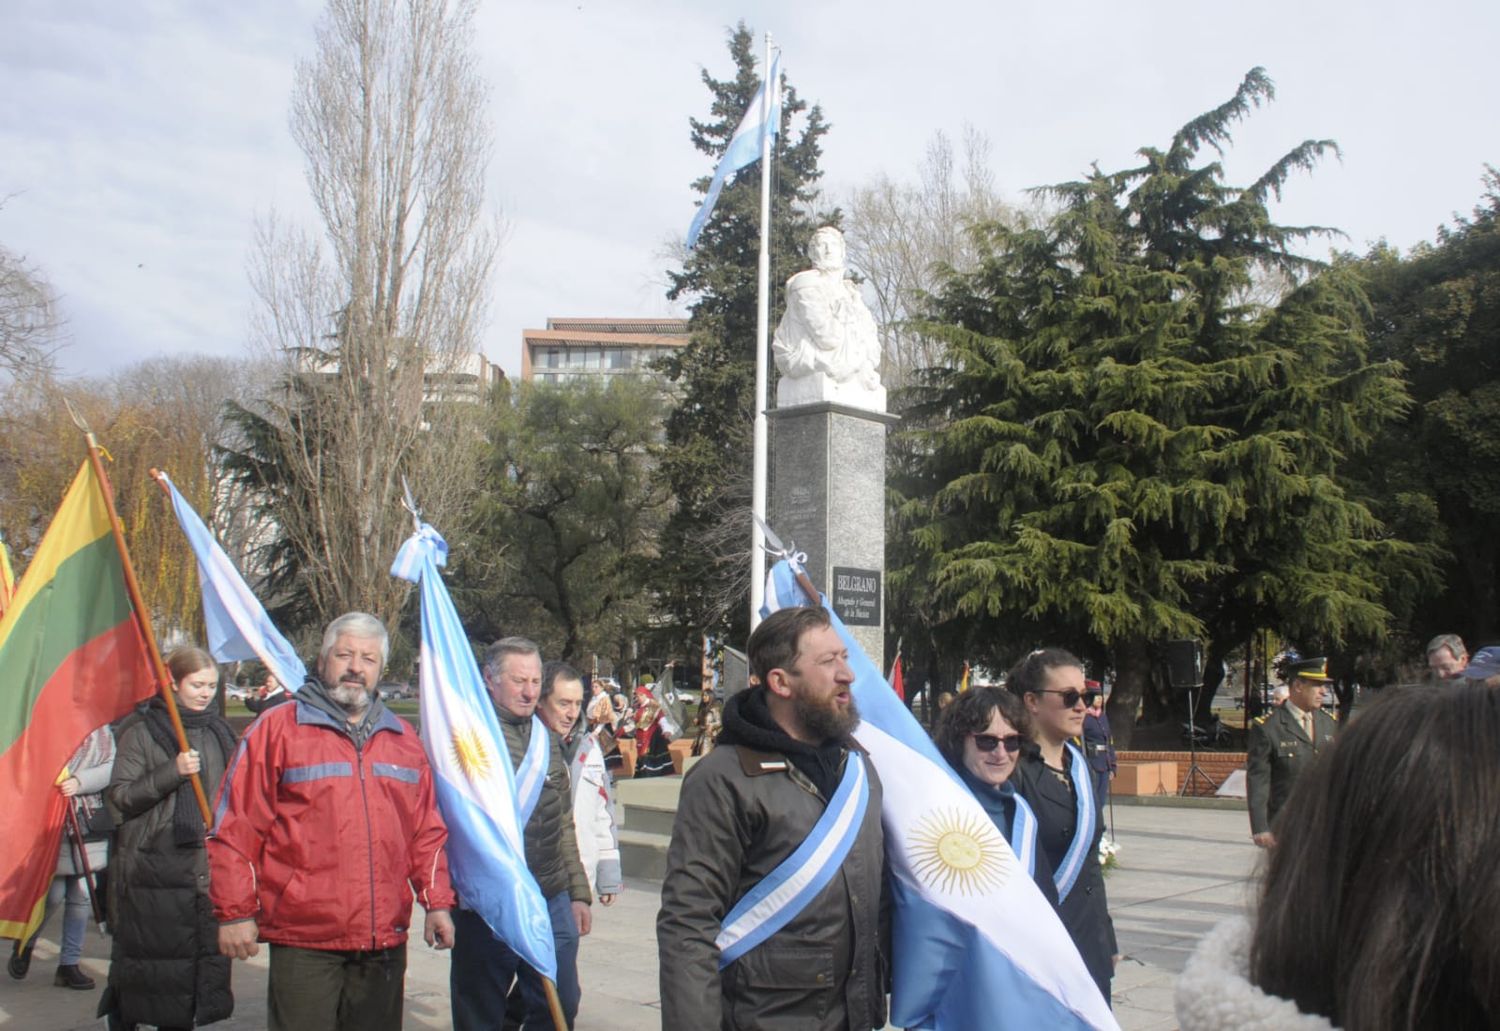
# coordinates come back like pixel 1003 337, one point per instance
pixel 1284 742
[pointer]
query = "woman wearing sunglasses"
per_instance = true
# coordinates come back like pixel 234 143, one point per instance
pixel 981 735
pixel 1054 778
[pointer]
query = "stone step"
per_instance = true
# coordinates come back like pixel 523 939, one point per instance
pixel 643 854
pixel 652 819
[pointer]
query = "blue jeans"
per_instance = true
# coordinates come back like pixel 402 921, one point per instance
pixel 483 968
pixel 73 894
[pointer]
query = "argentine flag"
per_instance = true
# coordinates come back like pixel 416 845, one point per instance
pixel 238 627
pixel 744 146
pixel 975 943
pixel 476 789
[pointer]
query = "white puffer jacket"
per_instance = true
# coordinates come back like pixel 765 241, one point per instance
pixel 1214 992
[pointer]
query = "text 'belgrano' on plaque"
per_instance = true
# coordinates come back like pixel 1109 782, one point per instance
pixel 856 595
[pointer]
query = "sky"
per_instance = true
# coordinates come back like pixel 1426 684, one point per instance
pixel 141 142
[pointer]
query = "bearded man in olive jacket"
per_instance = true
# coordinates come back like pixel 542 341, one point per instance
pixel 747 806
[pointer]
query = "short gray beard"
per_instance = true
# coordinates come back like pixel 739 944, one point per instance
pixel 354 698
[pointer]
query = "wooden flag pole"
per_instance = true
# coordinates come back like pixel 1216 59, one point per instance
pixel 142 617
pixel 559 1022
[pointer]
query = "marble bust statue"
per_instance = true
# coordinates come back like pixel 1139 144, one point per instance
pixel 826 346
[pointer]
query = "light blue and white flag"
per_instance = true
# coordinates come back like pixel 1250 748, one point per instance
pixel 476 788
pixel 238 627
pixel 975 943
pixel 744 146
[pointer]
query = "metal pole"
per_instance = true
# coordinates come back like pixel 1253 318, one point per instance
pixel 762 346
pixel 81 863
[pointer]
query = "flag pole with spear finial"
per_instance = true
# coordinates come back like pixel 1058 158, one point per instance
pixel 138 605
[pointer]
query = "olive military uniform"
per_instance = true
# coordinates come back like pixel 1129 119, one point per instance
pixel 1280 749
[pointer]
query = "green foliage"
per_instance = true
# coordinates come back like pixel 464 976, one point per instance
pixel 1125 448
pixel 706 462
pixel 568 520
pixel 1433 476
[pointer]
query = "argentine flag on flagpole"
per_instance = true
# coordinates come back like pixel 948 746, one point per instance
pixel 238 627
pixel 744 146
pixel 476 788
pixel 975 943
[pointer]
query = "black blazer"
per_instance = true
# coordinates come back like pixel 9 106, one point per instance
pixel 1085 912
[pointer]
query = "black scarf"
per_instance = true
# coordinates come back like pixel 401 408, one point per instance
pixel 187 818
pixel 748 721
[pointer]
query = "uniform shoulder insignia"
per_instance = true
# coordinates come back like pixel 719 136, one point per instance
pixel 1333 716
pixel 1261 719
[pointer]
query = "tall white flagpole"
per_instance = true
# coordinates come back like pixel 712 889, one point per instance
pixel 762 347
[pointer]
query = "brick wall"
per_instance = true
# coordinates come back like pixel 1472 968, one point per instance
pixel 1217 765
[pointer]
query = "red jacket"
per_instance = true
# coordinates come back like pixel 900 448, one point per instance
pixel 318 841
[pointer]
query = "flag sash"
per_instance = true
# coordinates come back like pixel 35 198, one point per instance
pixel 797 879
pixel 532 773
pixel 1066 874
pixel 1023 834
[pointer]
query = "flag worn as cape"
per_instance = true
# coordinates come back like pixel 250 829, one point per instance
pixel 72 658
pixel 974 943
pixel 238 627
pixel 476 787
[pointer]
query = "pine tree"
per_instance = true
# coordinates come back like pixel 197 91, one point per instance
pixel 1126 448
pixel 702 578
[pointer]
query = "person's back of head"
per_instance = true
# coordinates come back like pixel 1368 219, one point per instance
pixel 1380 905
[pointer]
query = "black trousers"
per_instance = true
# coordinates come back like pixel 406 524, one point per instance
pixel 318 990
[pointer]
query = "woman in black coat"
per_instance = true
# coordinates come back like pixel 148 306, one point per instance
pixel 165 966
pixel 1054 777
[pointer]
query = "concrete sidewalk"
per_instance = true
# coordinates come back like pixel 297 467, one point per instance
pixel 1181 871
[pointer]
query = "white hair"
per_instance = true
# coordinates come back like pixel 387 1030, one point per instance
pixel 356 624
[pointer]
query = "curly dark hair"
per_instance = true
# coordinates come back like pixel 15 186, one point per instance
pixel 970 713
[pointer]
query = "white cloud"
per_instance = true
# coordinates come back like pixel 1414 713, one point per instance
pixel 151 134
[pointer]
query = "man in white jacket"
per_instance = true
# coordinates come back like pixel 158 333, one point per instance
pixel 561 709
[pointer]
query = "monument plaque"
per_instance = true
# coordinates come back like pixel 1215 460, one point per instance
pixel 856 595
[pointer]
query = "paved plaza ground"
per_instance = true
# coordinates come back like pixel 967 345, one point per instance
pixel 1182 871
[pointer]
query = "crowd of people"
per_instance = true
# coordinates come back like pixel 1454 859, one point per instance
pixel 1373 907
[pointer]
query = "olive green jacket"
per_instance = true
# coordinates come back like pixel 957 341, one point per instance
pixel 1279 751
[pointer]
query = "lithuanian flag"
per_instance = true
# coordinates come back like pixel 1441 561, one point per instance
pixel 71 659
pixel 7 579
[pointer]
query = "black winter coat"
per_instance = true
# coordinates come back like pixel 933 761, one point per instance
pixel 550 837
pixel 165 966
pixel 1085 912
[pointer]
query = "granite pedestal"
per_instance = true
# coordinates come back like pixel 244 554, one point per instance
pixel 827 496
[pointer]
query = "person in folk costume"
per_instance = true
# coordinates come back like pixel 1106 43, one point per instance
pixel 1055 780
pixel 709 720
pixel 87 776
pixel 651 736
pixel 165 966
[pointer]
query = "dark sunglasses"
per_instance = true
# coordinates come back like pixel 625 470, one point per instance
pixel 989 742
pixel 1072 696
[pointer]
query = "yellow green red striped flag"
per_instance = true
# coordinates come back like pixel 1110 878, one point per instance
pixel 71 659
pixel 7 579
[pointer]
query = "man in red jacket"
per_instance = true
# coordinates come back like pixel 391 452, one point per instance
pixel 324 824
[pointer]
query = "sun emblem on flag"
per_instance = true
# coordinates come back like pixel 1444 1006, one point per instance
pixel 954 851
pixel 471 754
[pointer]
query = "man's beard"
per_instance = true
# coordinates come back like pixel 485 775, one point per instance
pixel 825 719
pixel 353 695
